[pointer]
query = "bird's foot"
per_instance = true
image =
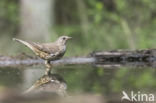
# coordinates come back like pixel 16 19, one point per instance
pixel 47 64
pixel 47 72
pixel 48 67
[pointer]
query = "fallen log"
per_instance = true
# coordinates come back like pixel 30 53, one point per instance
pixel 126 58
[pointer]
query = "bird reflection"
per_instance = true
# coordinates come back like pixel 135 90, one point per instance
pixel 51 83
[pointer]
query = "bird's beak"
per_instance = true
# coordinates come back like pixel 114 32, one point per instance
pixel 69 37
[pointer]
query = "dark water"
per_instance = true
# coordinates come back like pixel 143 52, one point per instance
pixel 86 79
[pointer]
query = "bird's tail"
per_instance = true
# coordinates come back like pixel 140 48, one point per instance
pixel 29 90
pixel 25 43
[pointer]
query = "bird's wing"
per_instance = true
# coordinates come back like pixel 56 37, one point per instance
pixel 50 48
pixel 37 45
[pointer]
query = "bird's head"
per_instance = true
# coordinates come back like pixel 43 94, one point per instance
pixel 63 39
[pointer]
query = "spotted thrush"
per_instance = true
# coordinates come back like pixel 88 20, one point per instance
pixel 48 51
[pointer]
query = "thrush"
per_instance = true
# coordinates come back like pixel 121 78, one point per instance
pixel 49 83
pixel 48 51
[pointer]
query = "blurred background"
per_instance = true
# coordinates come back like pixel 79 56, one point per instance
pixel 94 25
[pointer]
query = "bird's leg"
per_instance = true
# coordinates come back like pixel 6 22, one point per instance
pixel 48 67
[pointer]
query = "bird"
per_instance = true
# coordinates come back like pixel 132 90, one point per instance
pixel 48 51
pixel 52 83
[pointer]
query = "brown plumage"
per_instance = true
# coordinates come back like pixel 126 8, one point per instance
pixel 48 51
pixel 53 83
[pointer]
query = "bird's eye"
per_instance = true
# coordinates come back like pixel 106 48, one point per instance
pixel 64 38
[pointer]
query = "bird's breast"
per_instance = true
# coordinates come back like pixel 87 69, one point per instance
pixel 61 48
pixel 60 52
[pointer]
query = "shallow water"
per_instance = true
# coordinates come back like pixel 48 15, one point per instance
pixel 86 79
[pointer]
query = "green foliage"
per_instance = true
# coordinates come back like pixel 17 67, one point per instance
pixel 9 17
pixel 9 10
